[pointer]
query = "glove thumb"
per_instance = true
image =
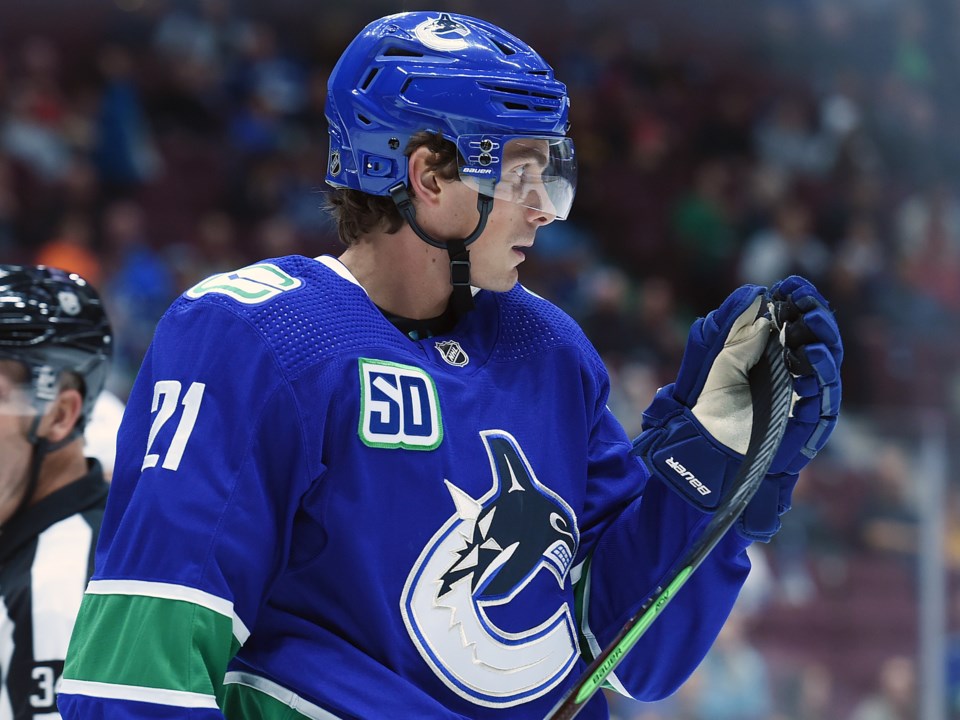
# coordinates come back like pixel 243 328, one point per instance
pixel 724 407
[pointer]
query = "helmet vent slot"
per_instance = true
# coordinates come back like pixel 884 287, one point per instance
pixel 369 78
pixel 23 336
pixel 520 92
pixel 401 52
pixel 363 119
pixel 504 48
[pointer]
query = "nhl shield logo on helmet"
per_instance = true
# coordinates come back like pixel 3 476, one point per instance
pixel 452 353
pixel 69 302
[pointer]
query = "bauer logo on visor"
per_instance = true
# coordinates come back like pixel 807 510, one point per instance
pixel 444 34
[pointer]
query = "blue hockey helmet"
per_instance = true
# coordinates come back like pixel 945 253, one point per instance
pixel 478 86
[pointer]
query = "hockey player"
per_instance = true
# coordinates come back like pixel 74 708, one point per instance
pixel 387 485
pixel 55 349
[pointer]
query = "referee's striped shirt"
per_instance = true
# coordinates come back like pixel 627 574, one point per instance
pixel 46 559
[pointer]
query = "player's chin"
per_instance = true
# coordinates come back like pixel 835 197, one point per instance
pixel 498 282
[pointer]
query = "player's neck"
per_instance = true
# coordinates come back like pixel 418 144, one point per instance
pixel 402 274
pixel 60 468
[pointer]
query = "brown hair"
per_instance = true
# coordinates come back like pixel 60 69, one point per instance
pixel 358 213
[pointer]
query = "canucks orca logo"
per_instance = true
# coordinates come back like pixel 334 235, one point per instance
pixel 442 33
pixel 472 574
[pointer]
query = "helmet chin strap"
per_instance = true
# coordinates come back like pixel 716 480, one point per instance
pixel 462 297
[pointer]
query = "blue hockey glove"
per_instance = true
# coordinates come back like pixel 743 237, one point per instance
pixel 697 429
pixel 814 351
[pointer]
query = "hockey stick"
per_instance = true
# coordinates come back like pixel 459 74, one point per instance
pixel 771 391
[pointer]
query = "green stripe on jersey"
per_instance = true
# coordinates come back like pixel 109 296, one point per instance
pixel 150 642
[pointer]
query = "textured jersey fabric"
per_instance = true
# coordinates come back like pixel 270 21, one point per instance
pixel 46 557
pixel 313 515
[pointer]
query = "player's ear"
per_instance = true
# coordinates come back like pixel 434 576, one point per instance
pixel 62 415
pixel 423 178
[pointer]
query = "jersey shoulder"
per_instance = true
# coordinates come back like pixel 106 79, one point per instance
pixel 299 306
pixel 531 325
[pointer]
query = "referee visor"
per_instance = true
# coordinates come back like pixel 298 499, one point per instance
pixel 16 389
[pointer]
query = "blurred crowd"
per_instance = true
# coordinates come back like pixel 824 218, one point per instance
pixel 147 144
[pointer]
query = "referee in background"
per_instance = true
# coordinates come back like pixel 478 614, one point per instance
pixel 55 350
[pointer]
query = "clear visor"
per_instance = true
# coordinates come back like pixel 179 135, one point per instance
pixel 539 173
pixel 16 399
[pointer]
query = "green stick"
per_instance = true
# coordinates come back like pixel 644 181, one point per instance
pixel 771 391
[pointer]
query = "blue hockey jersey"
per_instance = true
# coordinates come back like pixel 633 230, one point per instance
pixel 314 516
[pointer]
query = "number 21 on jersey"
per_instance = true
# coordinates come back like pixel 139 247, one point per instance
pixel 166 404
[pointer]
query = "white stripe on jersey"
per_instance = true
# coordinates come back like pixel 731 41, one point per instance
pixel 157 696
pixel 169 591
pixel 6 653
pixel 612 679
pixel 58 577
pixel 278 693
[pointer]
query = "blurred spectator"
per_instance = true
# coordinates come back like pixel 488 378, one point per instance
pixel 32 132
pixel 218 247
pixel 733 682
pixel 809 694
pixel 140 286
pixel 660 327
pixel 787 247
pixel 205 34
pixel 887 521
pixel 858 265
pixel 72 250
pixel 895 697
pixel 706 241
pixel 858 277
pixel 9 208
pixel 928 225
pixel 124 152
pixel 609 321
pixel 789 140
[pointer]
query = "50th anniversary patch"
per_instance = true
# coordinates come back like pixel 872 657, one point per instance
pixel 399 407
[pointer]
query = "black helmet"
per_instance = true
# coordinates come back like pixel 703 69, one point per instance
pixel 52 321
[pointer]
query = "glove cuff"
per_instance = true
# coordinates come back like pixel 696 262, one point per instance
pixel 760 520
pixel 682 454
